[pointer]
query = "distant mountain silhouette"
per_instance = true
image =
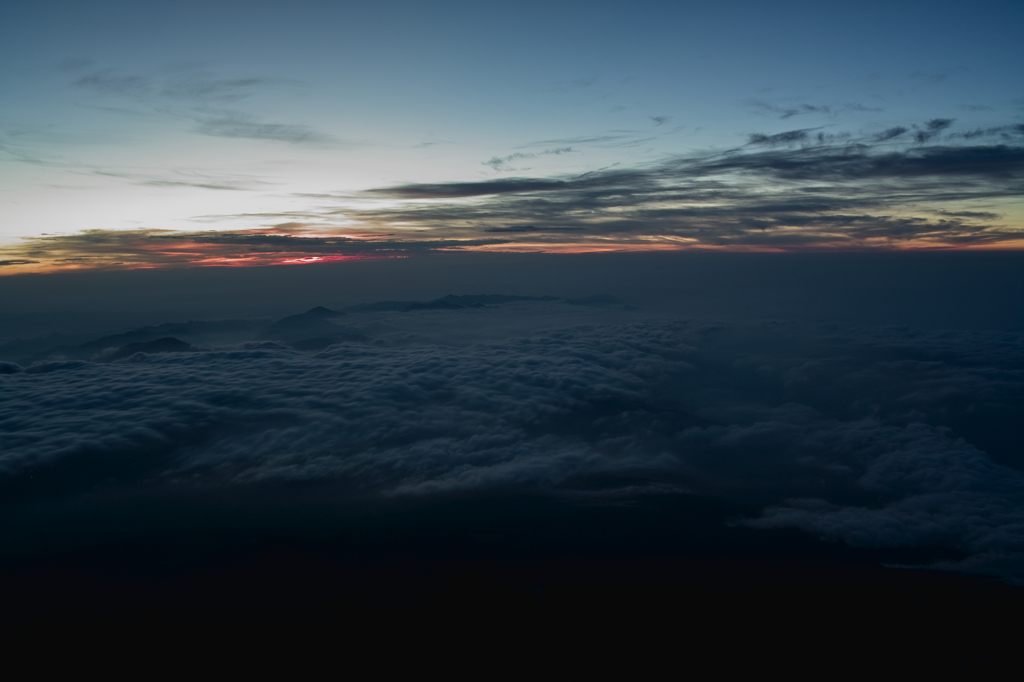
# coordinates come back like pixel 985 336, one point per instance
pixel 321 311
pixel 440 304
pixel 381 307
pixel 22 348
pixel 493 299
pixel 311 330
pixel 326 341
pixel 308 325
pixel 599 301
pixel 168 344
pixel 449 302
pixel 90 349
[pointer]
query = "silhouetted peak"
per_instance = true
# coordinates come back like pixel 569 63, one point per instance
pixel 168 344
pixel 599 301
pixel 321 311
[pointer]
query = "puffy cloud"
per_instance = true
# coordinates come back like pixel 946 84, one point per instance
pixel 392 418
pixel 856 435
pixel 935 492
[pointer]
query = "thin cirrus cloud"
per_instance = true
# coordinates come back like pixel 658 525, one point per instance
pixel 200 96
pixel 927 185
pixel 198 185
pixel 186 179
pixel 243 127
pixel 784 111
pixel 504 163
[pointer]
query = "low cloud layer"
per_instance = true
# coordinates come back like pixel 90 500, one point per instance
pixel 873 437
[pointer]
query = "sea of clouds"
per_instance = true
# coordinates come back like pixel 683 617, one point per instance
pixel 871 436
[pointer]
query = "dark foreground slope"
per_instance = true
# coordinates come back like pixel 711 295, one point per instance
pixel 664 580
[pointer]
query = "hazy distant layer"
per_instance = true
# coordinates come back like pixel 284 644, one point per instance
pixel 930 290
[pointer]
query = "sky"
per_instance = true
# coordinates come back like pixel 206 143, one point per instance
pixel 318 304
pixel 188 134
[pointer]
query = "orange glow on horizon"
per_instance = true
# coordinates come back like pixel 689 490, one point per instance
pixel 162 249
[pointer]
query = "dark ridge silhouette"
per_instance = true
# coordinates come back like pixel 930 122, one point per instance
pixel 381 307
pixel 493 299
pixel 90 349
pixel 440 304
pixel 321 311
pixel 599 301
pixel 533 567
pixel 311 324
pixel 449 302
pixel 326 341
pixel 21 348
pixel 168 344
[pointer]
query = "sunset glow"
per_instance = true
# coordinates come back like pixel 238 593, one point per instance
pixel 688 333
pixel 903 146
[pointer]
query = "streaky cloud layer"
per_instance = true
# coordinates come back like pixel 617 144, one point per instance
pixel 657 126
pixel 795 190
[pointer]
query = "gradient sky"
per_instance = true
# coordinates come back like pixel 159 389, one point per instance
pixel 155 134
pixel 638 285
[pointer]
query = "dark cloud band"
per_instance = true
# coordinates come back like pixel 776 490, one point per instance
pixel 848 436
pixel 794 190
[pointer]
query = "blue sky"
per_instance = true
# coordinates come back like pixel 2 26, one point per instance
pixel 124 118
